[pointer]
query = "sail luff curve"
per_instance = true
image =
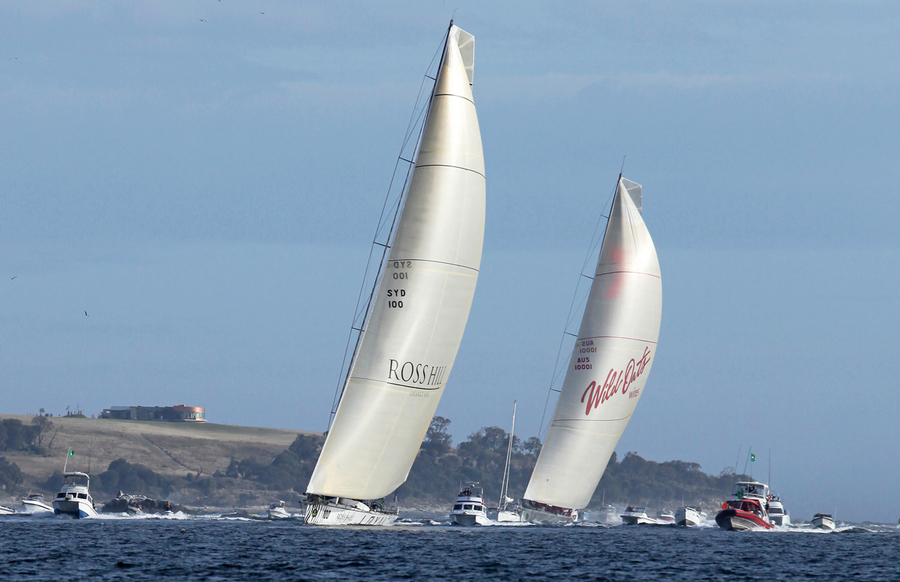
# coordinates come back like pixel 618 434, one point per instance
pixel 610 361
pixel 422 304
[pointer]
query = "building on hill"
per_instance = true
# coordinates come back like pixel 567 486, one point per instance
pixel 177 413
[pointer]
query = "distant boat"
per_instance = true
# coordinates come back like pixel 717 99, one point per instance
pixel 777 514
pixel 689 516
pixel 637 516
pixel 608 369
pixel 74 498
pixel 412 332
pixel 34 504
pixel 277 510
pixel 823 521
pixel 6 510
pixel 469 508
pixel 666 517
pixel 507 508
pixel 747 511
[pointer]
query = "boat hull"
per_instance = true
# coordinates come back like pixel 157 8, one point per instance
pixel 638 520
pixel 687 517
pixel 469 519
pixel 278 513
pixel 339 514
pixel 534 515
pixel 508 517
pixel 823 522
pixel 738 520
pixel 78 508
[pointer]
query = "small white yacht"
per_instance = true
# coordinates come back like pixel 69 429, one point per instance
pixel 74 497
pixel 469 508
pixel 34 504
pixel 636 516
pixel 277 511
pixel 689 516
pixel 665 516
pixel 609 516
pixel 777 514
pixel 823 521
pixel 6 510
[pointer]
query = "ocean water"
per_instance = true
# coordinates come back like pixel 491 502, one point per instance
pixel 236 549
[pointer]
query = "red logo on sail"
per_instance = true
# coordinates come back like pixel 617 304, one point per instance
pixel 616 382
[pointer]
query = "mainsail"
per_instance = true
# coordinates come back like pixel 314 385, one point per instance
pixel 610 362
pixel 419 312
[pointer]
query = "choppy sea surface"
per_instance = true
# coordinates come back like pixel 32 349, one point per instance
pixel 209 548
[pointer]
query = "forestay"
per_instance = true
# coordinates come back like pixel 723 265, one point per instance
pixel 419 313
pixel 610 362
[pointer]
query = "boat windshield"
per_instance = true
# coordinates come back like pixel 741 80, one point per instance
pixel 76 481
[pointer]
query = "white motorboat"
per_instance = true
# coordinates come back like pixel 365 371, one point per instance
pixel 277 510
pixel 469 508
pixel 34 504
pixel 6 510
pixel 410 325
pixel 608 368
pixel 823 521
pixel 74 498
pixel 689 516
pixel 665 516
pixel 609 516
pixel 637 516
pixel 777 514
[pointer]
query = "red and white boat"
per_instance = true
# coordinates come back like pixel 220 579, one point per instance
pixel 749 509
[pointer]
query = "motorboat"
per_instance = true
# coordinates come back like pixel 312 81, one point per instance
pixel 665 516
pixel 277 510
pixel 609 516
pixel 74 498
pixel 823 521
pixel 34 504
pixel 637 516
pixel 469 508
pixel 777 515
pixel 747 511
pixel 6 510
pixel 689 516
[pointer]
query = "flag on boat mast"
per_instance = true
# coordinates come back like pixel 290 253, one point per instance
pixel 71 453
pixel 752 457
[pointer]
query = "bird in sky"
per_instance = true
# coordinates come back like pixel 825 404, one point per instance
pixel 201 20
pixel 86 314
pixel 14 276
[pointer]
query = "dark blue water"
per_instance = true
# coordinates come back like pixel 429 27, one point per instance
pixel 206 549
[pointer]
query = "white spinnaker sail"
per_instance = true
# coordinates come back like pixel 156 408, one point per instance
pixel 610 362
pixel 422 304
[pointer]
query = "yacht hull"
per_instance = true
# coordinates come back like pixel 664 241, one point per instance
pixel 78 508
pixel 339 514
pixel 738 520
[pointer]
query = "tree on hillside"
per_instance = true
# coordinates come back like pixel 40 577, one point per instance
pixel 10 475
pixel 43 425
pixel 437 438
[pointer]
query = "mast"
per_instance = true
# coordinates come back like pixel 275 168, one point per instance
pixel 505 484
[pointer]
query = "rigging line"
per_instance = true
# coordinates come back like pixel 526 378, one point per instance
pixel 595 240
pixel 368 303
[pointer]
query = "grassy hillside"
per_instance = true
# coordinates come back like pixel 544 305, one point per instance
pixel 169 448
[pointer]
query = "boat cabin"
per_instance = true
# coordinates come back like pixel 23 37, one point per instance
pixel 748 505
pixel 743 489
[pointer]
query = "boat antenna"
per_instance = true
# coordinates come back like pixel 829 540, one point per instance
pixel 416 127
pixel 622 169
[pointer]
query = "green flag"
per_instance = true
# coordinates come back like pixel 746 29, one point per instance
pixel 752 457
pixel 71 453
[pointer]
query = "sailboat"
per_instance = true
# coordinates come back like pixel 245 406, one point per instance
pixel 608 369
pixel 404 356
pixel 505 513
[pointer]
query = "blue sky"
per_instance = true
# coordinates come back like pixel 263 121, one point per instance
pixel 207 191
